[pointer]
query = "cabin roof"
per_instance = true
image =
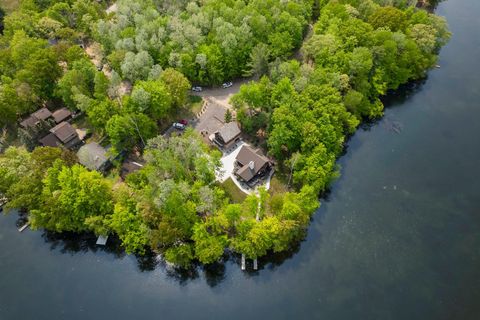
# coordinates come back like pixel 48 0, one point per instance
pixel 248 158
pixel 229 131
pixel 61 114
pixel 50 140
pixel 64 131
pixel 29 122
pixel 42 114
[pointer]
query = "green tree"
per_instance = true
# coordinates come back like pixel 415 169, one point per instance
pixel 208 247
pixel 70 196
pixel 177 85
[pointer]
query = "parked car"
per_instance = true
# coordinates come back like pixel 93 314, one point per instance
pixel 197 89
pixel 227 84
pixel 183 121
pixel 178 125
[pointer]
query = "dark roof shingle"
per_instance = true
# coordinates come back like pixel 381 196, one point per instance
pixel 61 114
pixel 64 132
pixel 251 163
pixel 50 140
pixel 229 131
pixel 42 114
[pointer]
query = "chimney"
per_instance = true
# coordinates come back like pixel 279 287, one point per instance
pixel 251 165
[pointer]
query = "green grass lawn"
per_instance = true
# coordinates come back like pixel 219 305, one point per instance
pixel 232 191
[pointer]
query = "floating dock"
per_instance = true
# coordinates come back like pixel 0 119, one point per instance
pixel 255 264
pixel 25 226
pixel 243 261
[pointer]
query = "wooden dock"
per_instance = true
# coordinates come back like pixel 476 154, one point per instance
pixel 25 226
pixel 255 264
pixel 243 261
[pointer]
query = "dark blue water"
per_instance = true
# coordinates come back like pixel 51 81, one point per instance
pixel 398 237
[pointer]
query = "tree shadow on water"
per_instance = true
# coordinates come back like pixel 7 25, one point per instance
pixel 72 243
pixel 403 93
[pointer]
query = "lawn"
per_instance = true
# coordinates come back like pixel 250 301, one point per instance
pixel 232 191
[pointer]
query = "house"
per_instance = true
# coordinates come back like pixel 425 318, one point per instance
pixel 61 115
pixel 227 135
pixel 66 134
pixel 94 157
pixel 250 164
pixel 40 115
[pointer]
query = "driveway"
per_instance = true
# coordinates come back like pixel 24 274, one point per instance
pixel 228 161
pixel 211 120
pixel 220 95
pixel 226 170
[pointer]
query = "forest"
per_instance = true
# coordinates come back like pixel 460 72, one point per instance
pixel 317 69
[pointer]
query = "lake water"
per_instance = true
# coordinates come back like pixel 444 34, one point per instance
pixel 397 238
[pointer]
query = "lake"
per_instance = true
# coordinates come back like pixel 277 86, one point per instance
pixel 398 236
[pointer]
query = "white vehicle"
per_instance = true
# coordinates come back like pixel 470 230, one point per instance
pixel 197 89
pixel 227 84
pixel 178 125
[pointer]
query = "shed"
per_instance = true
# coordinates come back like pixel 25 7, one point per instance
pixel 94 157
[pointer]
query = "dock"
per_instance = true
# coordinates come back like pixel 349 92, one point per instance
pixel 243 261
pixel 25 226
pixel 102 240
pixel 255 264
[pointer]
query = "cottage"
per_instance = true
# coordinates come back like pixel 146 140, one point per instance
pixel 94 157
pixel 66 134
pixel 40 115
pixel 228 135
pixel 250 164
pixel 61 115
